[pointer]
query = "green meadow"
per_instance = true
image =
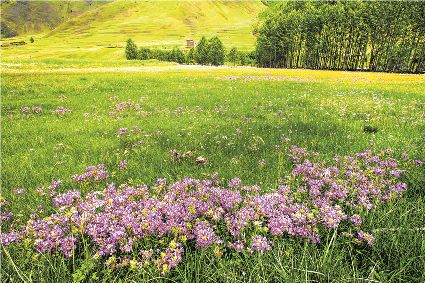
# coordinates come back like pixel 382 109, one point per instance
pixel 70 100
pixel 233 117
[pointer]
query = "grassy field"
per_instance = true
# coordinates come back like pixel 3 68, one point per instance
pixel 101 32
pixel 234 117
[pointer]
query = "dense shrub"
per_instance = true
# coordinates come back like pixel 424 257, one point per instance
pixel 131 50
pixel 177 56
pixel 244 58
pixel 190 56
pixel 233 56
pixel 215 51
pixel 144 54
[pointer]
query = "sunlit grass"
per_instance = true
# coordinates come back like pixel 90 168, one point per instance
pixel 234 117
pixel 101 32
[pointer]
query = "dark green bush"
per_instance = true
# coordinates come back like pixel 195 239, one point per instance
pixel 131 50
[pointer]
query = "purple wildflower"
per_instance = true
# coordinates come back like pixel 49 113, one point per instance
pixel 122 165
pixel 234 183
pixel 259 244
pixel 61 111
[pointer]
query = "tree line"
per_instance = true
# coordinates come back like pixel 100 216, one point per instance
pixel 343 35
pixel 206 52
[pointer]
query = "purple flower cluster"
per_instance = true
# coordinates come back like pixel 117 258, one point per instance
pixel 259 244
pixel 124 131
pixel 124 106
pixel 34 109
pixel 151 225
pixel 61 111
pixel 121 132
pixel 123 165
pixel 66 199
pixel 52 188
pixel 95 173
pixel 25 110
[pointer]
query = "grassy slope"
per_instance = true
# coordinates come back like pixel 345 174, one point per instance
pixel 33 17
pixel 323 110
pixel 101 33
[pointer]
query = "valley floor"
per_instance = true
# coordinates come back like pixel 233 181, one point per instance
pixel 234 117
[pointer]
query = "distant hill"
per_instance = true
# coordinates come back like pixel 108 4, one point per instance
pixel 164 24
pixel 28 17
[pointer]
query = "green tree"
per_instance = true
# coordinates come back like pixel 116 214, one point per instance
pixel 233 56
pixel 201 52
pixel 144 53
pixel 342 35
pixel 177 56
pixel 190 56
pixel 131 50
pixel 215 52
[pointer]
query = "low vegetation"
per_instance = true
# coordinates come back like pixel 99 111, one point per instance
pixel 178 165
pixel 232 128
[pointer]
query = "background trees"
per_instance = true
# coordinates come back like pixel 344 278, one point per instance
pixel 207 52
pixel 131 52
pixel 190 56
pixel 215 51
pixel 201 52
pixel 343 35
pixel 233 56
pixel 177 56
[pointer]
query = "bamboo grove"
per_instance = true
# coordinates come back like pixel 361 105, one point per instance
pixel 343 35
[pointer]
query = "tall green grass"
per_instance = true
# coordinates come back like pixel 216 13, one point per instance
pixel 233 122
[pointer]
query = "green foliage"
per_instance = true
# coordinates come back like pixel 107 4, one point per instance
pixel 84 271
pixel 210 52
pixel 131 50
pixel 107 29
pixel 215 52
pixel 243 58
pixel 343 35
pixel 177 56
pixel 190 56
pixel 233 56
pixel 31 39
pixel 206 53
pixel 201 52
pixel 144 53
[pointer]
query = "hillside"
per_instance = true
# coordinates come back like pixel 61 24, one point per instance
pixel 30 17
pixel 102 31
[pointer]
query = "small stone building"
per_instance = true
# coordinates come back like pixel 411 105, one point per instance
pixel 190 43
